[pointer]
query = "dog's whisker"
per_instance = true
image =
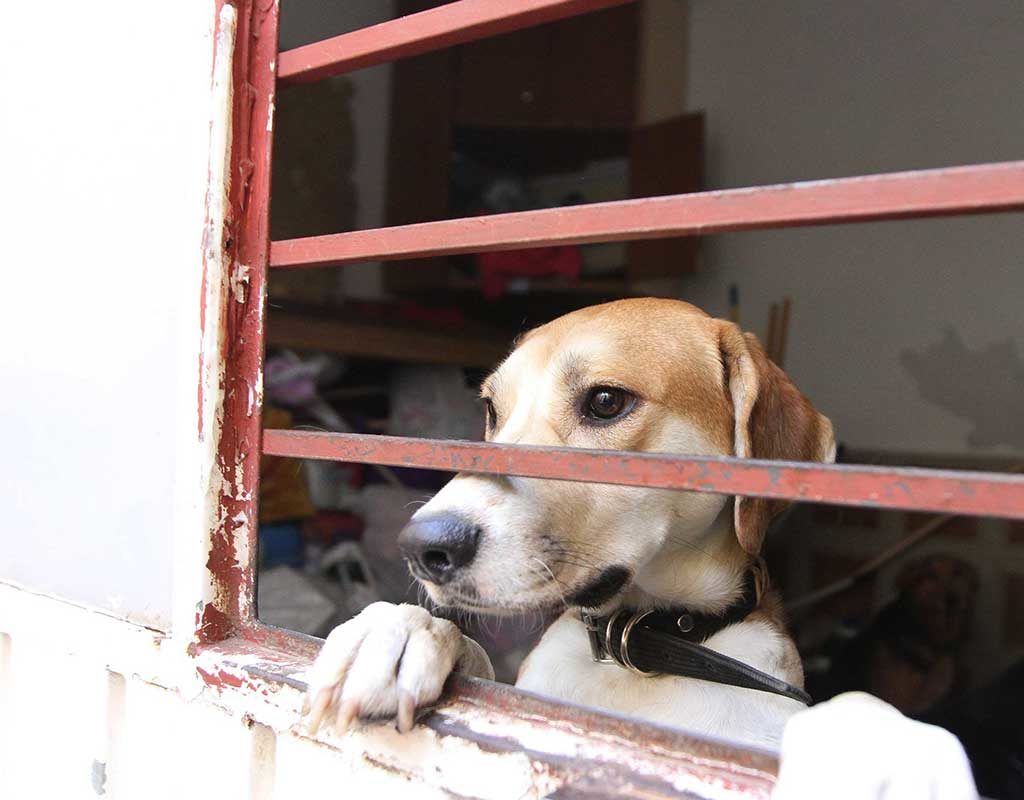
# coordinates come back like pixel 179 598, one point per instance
pixel 554 580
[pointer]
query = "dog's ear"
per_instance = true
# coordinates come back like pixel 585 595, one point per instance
pixel 772 420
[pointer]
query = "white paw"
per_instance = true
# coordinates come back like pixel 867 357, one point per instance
pixel 857 746
pixel 387 661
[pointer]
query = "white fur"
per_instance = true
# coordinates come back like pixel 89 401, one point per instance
pixel 561 666
pixel 856 746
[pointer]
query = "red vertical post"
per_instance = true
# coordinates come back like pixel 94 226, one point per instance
pixel 245 247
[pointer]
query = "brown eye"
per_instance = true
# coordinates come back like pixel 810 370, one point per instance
pixel 605 403
pixel 492 414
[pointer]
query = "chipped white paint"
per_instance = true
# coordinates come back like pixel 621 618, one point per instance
pixel 193 583
pixel 253 721
pixel 240 281
pixel 564 739
pixel 240 493
pixel 466 764
pixel 158 719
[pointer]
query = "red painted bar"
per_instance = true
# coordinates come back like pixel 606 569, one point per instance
pixel 956 190
pixel 245 240
pixel 975 493
pixel 445 26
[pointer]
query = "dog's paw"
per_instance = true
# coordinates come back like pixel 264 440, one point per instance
pixel 859 747
pixel 387 661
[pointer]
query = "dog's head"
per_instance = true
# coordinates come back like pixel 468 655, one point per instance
pixel 937 593
pixel 639 375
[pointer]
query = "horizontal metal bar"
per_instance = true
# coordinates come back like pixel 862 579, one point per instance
pixel 954 190
pixel 415 34
pixel 975 493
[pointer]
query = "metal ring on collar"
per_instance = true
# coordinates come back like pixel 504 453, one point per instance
pixel 608 638
pixel 625 659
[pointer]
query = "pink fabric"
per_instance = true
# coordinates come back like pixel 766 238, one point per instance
pixel 498 268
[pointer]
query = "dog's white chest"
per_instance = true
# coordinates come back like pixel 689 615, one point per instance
pixel 561 666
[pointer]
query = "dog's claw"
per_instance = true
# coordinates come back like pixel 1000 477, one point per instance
pixel 347 711
pixel 317 709
pixel 387 661
pixel 406 712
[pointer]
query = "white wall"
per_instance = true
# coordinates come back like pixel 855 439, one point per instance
pixel 802 90
pixel 103 152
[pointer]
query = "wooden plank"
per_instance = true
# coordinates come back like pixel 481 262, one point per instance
pixel 366 339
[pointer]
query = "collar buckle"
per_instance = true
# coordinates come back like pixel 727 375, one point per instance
pixel 598 652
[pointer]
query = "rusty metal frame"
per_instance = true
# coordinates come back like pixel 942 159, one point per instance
pixel 984 188
pixel 236 653
pixel 946 491
pixel 444 26
pixel 242 245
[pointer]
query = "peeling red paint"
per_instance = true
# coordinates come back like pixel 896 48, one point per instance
pixel 213 625
pixel 580 749
pixel 222 678
pixel 244 240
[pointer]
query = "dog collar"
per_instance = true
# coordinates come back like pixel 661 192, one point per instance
pixel 669 642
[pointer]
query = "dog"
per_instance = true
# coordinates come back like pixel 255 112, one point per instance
pixel 643 375
pixel 910 654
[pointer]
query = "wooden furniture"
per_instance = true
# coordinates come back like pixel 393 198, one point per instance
pixel 540 101
pixel 343 332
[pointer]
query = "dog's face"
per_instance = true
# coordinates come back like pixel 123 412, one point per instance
pixel 637 375
pixel 938 593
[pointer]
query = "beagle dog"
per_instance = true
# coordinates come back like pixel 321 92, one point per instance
pixel 648 375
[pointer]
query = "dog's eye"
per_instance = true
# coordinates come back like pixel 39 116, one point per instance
pixel 605 403
pixel 492 414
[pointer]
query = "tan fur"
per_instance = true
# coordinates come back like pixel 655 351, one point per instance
pixel 773 421
pixel 665 350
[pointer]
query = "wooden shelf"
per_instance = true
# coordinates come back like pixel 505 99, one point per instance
pixel 344 335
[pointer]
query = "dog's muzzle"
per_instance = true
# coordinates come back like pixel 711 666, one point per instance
pixel 438 547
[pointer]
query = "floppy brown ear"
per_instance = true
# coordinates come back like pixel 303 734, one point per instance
pixel 773 420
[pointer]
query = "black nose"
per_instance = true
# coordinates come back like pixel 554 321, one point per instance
pixel 438 547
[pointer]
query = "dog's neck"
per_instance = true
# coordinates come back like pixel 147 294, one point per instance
pixel 701 570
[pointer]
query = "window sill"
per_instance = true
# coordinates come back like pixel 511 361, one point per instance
pixel 557 745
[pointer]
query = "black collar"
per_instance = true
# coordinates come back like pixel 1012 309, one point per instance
pixel 668 642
